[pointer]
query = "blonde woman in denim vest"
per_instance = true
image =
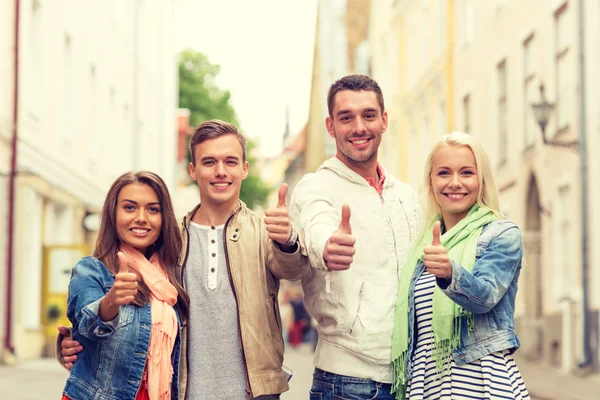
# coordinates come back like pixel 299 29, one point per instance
pixel 126 302
pixel 454 331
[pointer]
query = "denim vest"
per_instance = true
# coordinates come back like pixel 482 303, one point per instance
pixel 488 292
pixel 112 362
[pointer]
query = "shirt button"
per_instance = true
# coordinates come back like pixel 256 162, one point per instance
pixel 212 227
pixel 212 241
pixel 214 254
pixel 212 270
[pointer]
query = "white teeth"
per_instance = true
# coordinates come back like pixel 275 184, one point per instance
pixel 362 141
pixel 456 196
pixel 139 231
pixel 221 184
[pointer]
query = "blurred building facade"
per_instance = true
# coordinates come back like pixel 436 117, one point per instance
pixel 96 85
pixel 411 48
pixel 341 48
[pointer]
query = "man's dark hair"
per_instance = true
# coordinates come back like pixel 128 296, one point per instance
pixel 356 83
pixel 213 129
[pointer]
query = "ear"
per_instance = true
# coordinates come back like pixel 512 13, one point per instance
pixel 329 125
pixel 245 171
pixel 384 119
pixel 192 171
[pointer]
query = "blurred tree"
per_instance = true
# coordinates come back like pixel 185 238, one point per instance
pixel 199 93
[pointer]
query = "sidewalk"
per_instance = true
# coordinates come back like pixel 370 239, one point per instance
pixel 547 383
pixel 38 379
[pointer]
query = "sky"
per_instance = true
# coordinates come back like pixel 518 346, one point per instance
pixel 265 50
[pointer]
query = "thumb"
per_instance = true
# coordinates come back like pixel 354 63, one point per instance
pixel 63 330
pixel 281 195
pixel 345 222
pixel 437 241
pixel 122 262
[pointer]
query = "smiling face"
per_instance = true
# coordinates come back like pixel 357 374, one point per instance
pixel 219 169
pixel 357 123
pixel 138 216
pixel 454 182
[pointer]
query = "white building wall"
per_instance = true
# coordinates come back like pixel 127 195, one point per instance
pixel 97 98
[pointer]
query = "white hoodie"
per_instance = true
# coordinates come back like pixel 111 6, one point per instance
pixel 354 308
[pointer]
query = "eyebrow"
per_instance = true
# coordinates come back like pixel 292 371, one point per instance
pixel 214 158
pixel 135 202
pixel 366 110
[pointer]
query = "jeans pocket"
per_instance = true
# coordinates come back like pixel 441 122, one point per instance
pixel 315 395
pixel 365 390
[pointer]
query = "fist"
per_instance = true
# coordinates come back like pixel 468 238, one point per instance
pixel 126 283
pixel 277 220
pixel 435 258
pixel 339 249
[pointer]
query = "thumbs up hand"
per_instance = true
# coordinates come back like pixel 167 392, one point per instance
pixel 126 286
pixel 122 292
pixel 339 249
pixel 435 258
pixel 277 220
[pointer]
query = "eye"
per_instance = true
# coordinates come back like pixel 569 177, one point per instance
pixel 208 163
pixel 346 118
pixel 128 207
pixel 469 172
pixel 370 116
pixel 443 173
pixel 232 162
pixel 154 210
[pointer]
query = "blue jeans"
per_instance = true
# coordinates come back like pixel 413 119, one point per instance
pixel 329 386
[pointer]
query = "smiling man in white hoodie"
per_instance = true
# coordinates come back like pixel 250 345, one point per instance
pixel 357 224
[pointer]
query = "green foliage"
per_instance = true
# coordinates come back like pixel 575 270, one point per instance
pixel 254 191
pixel 199 93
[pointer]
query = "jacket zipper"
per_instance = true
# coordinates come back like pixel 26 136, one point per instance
pixel 387 218
pixel 248 389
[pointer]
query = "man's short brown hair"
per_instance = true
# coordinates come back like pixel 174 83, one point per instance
pixel 213 129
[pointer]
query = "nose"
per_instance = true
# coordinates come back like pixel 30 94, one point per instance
pixel 140 216
pixel 220 170
pixel 360 126
pixel 455 181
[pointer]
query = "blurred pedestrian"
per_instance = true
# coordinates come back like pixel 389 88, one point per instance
pixel 454 332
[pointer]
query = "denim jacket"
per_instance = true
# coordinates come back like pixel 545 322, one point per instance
pixel 112 362
pixel 488 292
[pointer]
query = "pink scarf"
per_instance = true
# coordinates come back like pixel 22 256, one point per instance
pixel 164 321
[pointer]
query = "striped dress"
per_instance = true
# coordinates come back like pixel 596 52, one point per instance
pixel 492 377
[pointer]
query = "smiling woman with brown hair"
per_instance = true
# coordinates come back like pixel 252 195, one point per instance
pixel 126 302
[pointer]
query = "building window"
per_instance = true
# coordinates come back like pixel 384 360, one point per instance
pixel 562 64
pixel 529 91
pixel 502 112
pixel 67 105
pixel 442 119
pixel 466 114
pixel 442 34
pixel 466 22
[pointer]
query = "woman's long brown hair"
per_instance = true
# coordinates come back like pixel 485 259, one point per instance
pixel 168 245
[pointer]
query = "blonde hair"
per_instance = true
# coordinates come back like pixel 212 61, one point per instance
pixel 488 192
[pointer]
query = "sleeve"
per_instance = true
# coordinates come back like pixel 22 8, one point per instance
pixel 290 266
pixel 86 291
pixel 315 217
pixel 480 290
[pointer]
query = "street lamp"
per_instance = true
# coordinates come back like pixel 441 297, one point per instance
pixel 541 112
